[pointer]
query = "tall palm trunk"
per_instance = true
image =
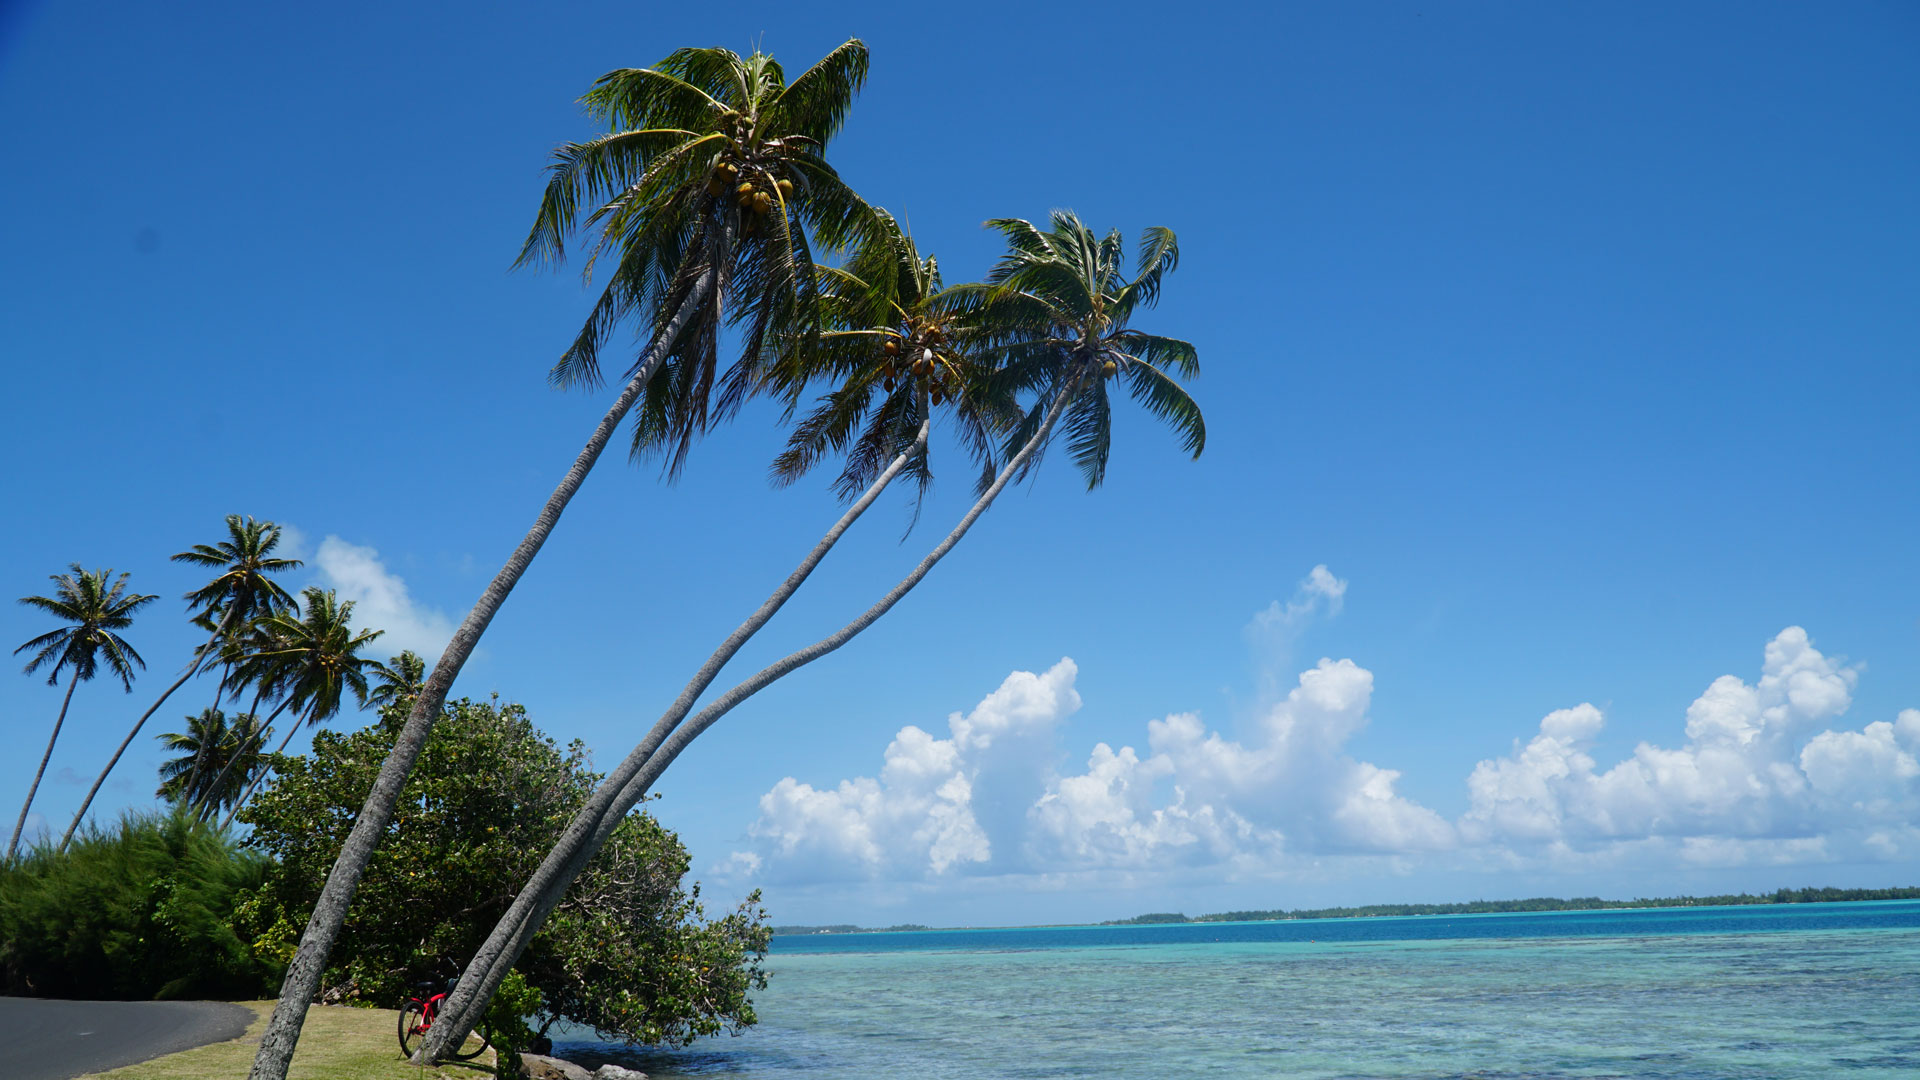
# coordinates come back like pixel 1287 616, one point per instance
pixel 595 822
pixel 468 999
pixel 13 842
pixel 199 657
pixel 292 730
pixel 330 910
pixel 209 801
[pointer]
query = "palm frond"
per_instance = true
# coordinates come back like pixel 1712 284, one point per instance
pixel 816 103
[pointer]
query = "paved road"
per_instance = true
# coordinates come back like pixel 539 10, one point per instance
pixel 41 1039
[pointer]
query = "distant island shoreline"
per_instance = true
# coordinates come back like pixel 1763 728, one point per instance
pixel 1472 907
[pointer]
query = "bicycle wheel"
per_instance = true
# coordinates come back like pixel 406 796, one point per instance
pixel 475 1045
pixel 412 1026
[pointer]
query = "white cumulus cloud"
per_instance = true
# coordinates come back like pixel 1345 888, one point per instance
pixel 918 817
pixel 1759 774
pixel 1756 778
pixel 1273 632
pixel 1200 798
pixel 381 601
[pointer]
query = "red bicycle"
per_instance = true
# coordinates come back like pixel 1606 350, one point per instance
pixel 416 1016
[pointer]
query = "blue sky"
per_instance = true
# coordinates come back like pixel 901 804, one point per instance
pixel 1576 346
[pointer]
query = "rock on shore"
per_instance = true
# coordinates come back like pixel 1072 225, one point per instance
pixel 541 1067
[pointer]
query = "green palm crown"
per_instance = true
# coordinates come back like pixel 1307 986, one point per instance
pixel 713 162
pixel 94 612
pixel 895 345
pixel 1057 307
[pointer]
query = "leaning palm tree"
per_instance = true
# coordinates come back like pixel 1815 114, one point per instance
pixel 1057 308
pixel 707 194
pixel 239 592
pixel 316 664
pixel 94 612
pixel 211 740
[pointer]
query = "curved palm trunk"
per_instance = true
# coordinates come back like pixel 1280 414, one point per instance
pixel 13 842
pixel 469 998
pixel 193 669
pixel 544 891
pixel 200 752
pixel 330 911
pixel 292 729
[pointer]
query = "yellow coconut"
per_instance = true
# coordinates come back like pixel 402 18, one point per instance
pixel 1110 369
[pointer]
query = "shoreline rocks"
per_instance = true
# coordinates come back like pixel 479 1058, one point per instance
pixel 542 1067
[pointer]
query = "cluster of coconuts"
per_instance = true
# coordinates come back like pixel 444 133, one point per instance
pixel 753 195
pixel 925 362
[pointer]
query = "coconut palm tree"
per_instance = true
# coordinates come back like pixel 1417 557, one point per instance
pixel 94 613
pixel 399 682
pixel 239 592
pixel 315 663
pixel 706 194
pixel 209 743
pixel 1057 308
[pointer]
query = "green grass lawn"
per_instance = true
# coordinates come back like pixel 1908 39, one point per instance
pixel 338 1043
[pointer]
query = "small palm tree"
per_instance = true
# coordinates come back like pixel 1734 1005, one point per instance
pixel 94 613
pixel 316 663
pixel 1056 308
pixel 399 681
pixel 212 742
pixel 240 592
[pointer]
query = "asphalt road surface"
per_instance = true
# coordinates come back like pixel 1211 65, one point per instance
pixel 42 1039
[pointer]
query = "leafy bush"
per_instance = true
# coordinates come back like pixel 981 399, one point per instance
pixel 629 952
pixel 140 910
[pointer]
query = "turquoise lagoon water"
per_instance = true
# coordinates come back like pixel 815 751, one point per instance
pixel 1788 991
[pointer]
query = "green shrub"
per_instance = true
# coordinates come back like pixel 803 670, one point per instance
pixel 630 952
pixel 139 910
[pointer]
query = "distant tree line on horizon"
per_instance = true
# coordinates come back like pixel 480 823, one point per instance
pixel 1472 907
pixel 849 928
pixel 1540 903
